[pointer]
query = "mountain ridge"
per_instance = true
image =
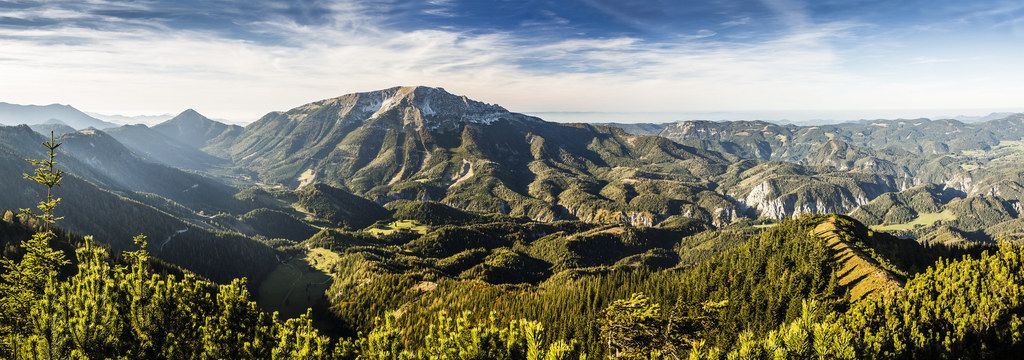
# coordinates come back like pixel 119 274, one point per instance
pixel 15 114
pixel 421 143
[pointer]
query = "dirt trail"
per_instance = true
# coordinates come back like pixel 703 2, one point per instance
pixel 170 237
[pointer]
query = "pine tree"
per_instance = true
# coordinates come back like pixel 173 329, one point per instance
pixel 22 283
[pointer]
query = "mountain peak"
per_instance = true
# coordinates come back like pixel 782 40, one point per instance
pixel 189 115
pixel 425 106
pixel 192 128
pixel 430 101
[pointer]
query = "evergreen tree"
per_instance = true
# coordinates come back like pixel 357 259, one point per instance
pixel 22 283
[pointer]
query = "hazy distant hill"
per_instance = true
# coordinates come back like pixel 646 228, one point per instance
pixel 149 120
pixel 14 114
pixel 194 129
pixel 982 118
pixel 56 126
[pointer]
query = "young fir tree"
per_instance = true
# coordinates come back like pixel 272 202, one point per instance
pixel 22 282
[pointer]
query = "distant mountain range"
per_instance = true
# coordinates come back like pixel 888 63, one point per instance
pixel 992 116
pixel 149 120
pixel 13 114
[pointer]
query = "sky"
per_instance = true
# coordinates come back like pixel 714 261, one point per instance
pixel 572 60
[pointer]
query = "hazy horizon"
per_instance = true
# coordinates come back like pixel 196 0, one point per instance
pixel 777 116
pixel 784 117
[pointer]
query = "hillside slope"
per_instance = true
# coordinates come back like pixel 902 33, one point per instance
pixel 124 169
pixel 857 271
pixel 113 218
pixel 159 148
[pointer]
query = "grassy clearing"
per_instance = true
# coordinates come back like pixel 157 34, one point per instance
pixel 322 259
pixel 391 228
pixel 298 284
pixel 1006 150
pixel 307 216
pixel 925 219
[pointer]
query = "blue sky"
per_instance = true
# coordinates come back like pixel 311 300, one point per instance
pixel 748 59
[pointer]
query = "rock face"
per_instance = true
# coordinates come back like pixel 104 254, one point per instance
pixel 906 148
pixel 758 140
pixel 789 169
pixel 780 197
pixel 422 143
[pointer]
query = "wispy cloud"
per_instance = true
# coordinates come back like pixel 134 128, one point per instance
pixel 445 8
pixel 739 21
pixel 139 64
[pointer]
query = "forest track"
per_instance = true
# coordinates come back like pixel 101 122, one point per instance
pixel 171 237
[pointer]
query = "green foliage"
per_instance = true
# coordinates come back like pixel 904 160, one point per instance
pixel 506 266
pixel 338 207
pixel 277 224
pixel 46 174
pixel 22 284
pixel 86 207
pixel 969 308
pixel 764 280
pixel 635 328
pixel 460 338
pixel 622 291
pixel 431 213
